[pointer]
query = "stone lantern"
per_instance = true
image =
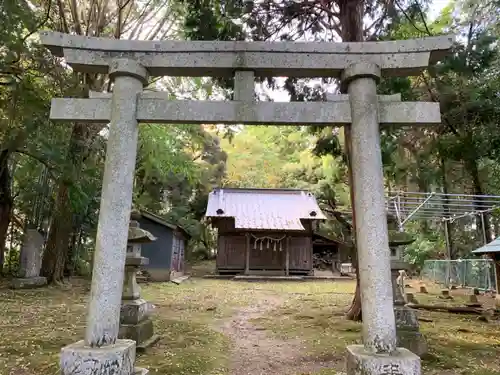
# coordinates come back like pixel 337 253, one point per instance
pixel 407 327
pixel 135 322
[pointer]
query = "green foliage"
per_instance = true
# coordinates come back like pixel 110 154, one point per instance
pixel 423 248
pixel 460 156
pixel 176 166
pixel 211 20
pixel 176 169
pixel 28 140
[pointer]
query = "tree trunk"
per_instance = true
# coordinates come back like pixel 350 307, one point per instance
pixel 355 311
pixel 422 186
pixel 478 190
pixel 449 227
pixel 54 257
pixel 471 165
pixel 351 25
pixel 72 254
pixel 61 228
pixel 351 20
pixel 5 203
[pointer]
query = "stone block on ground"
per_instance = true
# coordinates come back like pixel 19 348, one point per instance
pixel 179 280
pixel 408 331
pixel 138 332
pixel 28 282
pixel 142 347
pixel 445 294
pixel 117 359
pixel 362 362
pixel 410 298
pixel 30 259
pixel 406 317
pixel 414 341
pixel 132 312
pixel 473 298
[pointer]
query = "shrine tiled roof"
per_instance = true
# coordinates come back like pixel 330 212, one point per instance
pixel 264 209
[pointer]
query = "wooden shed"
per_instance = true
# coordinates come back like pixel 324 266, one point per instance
pixel 329 249
pixel 264 231
pixel 166 254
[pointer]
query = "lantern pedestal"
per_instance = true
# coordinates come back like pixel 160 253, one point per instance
pixel 135 322
pixel 407 326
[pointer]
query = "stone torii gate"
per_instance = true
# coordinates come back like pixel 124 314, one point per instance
pixel 130 63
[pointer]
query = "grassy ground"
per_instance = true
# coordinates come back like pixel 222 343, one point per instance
pixel 36 324
pixel 458 344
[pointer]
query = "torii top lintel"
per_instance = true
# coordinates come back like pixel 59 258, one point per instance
pixel 266 59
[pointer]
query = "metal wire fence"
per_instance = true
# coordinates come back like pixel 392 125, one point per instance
pixel 473 273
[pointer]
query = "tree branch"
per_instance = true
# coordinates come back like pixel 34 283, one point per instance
pixel 76 19
pixel 118 27
pixel 140 20
pixel 62 16
pixel 436 100
pixel 422 16
pixel 38 158
pixel 408 18
pixel 89 17
pixel 40 24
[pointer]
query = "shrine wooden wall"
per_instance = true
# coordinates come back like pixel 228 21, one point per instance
pixel 233 244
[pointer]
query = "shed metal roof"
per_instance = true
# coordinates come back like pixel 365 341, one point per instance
pixel 264 209
pixel 157 219
pixel 492 247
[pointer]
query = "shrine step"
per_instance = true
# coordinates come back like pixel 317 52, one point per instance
pixel 267 278
pixel 218 277
pixel 180 279
pixel 265 273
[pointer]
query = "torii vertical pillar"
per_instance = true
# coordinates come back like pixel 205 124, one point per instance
pixel 101 352
pixel 378 355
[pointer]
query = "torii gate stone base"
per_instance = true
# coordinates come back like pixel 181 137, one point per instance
pixel 358 65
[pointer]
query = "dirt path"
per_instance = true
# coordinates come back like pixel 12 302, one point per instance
pixel 254 352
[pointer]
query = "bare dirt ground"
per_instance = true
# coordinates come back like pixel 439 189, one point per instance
pixel 255 352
